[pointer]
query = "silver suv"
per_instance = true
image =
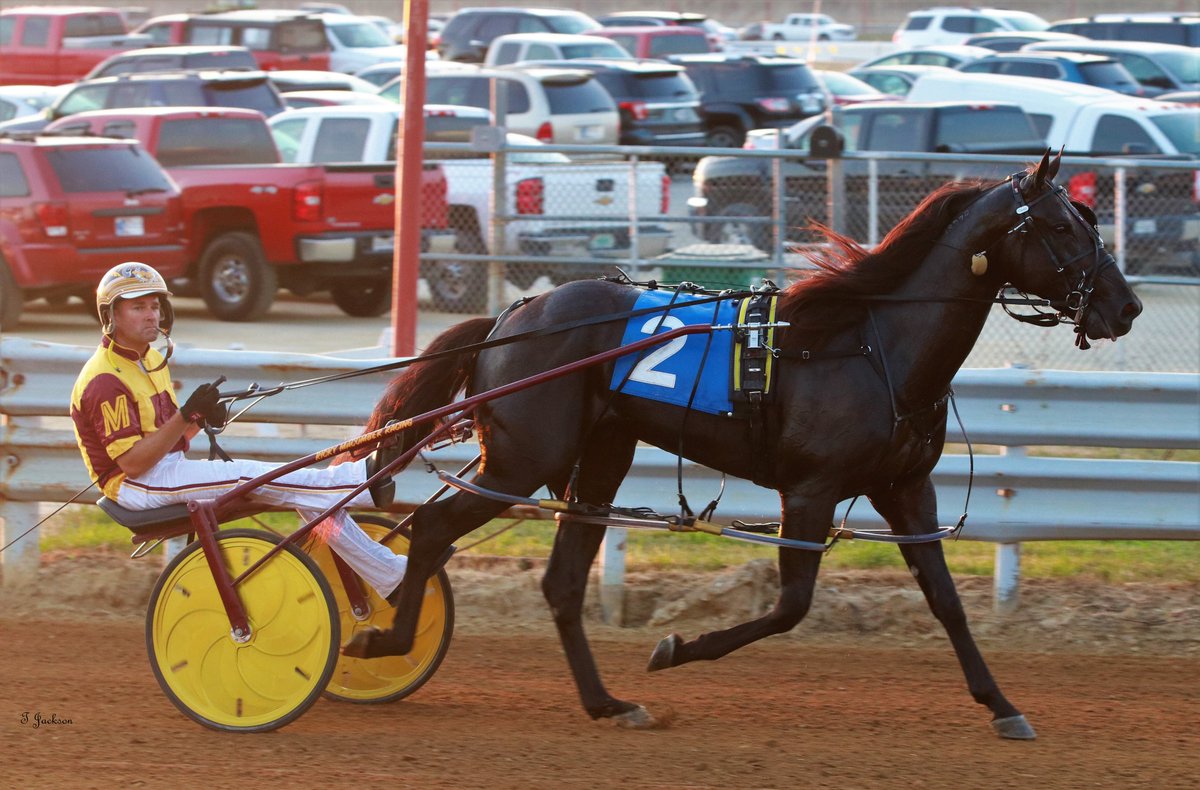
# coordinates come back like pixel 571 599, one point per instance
pixel 954 25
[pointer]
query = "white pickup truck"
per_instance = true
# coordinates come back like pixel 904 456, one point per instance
pixel 556 206
pixel 808 27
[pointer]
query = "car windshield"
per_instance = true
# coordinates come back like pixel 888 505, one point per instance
pixel 1180 128
pixel 360 35
pixel 1109 75
pixel 788 78
pixel 125 168
pixel 1184 65
pixel 597 50
pixel 977 128
pixel 653 85
pixel 249 94
pixel 678 45
pixel 215 141
pixel 1025 21
pixel 570 23
pixel 579 97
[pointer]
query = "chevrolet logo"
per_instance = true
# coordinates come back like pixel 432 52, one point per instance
pixel 384 199
pixel 604 201
pixel 1147 188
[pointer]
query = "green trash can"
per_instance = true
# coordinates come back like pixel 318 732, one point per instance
pixel 701 264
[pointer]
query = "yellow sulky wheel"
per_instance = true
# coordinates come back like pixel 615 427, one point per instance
pixel 265 682
pixel 393 677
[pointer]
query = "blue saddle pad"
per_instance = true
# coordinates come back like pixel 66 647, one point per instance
pixel 668 372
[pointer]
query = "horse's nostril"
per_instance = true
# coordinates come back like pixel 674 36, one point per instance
pixel 1131 310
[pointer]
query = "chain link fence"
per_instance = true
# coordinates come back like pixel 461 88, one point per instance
pixel 529 220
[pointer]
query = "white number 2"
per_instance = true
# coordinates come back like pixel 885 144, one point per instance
pixel 644 371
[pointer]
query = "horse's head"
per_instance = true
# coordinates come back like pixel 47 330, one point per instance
pixel 1052 248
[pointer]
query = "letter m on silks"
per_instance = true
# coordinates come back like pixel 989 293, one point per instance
pixel 116 414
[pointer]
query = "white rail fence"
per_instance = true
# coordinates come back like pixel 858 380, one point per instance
pixel 1016 497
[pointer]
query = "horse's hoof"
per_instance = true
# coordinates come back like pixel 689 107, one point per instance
pixel 362 644
pixel 663 656
pixel 641 719
pixel 1014 728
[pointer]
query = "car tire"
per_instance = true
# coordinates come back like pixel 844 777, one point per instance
pixel 363 299
pixel 734 232
pixel 725 136
pixel 457 286
pixel 236 281
pixel 12 299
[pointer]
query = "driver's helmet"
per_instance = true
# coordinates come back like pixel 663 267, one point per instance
pixel 130 280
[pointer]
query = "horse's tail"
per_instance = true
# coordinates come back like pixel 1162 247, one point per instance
pixel 425 386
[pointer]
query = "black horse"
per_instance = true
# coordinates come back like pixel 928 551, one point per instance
pixel 842 424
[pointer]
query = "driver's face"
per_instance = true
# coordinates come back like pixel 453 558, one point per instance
pixel 135 321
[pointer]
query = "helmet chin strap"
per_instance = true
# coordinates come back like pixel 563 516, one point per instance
pixel 169 349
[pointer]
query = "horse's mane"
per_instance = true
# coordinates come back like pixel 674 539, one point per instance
pixel 827 300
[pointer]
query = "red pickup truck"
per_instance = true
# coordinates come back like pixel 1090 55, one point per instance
pixel 71 208
pixel 47 45
pixel 254 224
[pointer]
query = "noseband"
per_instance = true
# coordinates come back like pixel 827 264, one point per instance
pixel 1079 294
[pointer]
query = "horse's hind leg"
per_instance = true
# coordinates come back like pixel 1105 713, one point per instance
pixel 911 511
pixel 604 465
pixel 804 518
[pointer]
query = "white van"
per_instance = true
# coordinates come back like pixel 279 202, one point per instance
pixel 522 47
pixel 1080 118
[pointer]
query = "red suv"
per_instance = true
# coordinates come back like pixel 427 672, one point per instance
pixel 277 39
pixel 657 41
pixel 71 208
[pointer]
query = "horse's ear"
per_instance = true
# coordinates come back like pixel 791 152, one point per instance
pixel 1039 178
pixel 1054 163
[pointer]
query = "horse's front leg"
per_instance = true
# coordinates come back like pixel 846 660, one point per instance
pixel 804 518
pixel 912 510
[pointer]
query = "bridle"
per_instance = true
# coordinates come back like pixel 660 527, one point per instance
pixel 1079 294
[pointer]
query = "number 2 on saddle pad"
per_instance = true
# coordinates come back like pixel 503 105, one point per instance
pixel 667 373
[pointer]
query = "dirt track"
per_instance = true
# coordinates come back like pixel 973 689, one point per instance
pixel 878 704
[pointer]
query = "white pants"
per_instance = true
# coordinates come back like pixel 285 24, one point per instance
pixel 176 479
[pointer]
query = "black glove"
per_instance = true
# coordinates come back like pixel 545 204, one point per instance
pixel 201 402
pixel 215 417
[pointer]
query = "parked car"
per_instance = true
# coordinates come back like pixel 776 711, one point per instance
pixel 356 42
pixel 845 89
pixel 278 39
pixel 954 25
pixel 718 34
pixel 738 187
pixel 808 27
pixel 174 59
pixel 71 208
pixel 289 80
pixel 1096 70
pixel 248 89
pixel 1011 40
pixel 334 98
pixel 893 80
pixel 47 45
pixel 658 42
pixel 382 73
pixel 468 33
pixel 949 55
pixel 18 101
pixel 548 102
pixel 658 103
pixel 1181 29
pixel 527 47
pixel 254 224
pixel 744 92
pixel 1158 67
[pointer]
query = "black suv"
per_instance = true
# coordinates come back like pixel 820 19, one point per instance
pixel 659 105
pixel 1181 29
pixel 248 89
pixel 467 35
pixel 744 92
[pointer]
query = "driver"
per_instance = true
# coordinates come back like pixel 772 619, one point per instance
pixel 133 435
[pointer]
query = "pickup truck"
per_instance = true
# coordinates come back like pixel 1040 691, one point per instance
pixel 808 27
pixel 71 208
pixel 726 186
pixel 540 186
pixel 46 45
pixel 254 224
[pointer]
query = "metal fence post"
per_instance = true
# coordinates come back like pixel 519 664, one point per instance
pixel 778 212
pixel 1119 216
pixel 635 254
pixel 872 202
pixel 499 200
pixel 19 562
pixel 1006 586
pixel 612 576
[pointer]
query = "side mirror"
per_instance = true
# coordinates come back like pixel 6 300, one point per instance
pixel 826 142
